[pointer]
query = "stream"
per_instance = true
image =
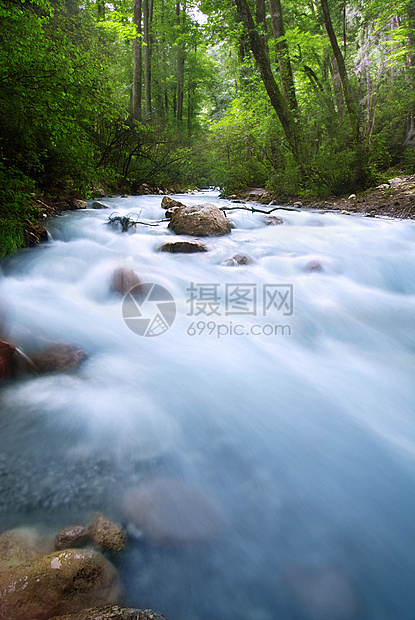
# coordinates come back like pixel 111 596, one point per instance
pixel 278 394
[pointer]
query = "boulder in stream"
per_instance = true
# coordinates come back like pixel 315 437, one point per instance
pixel 56 584
pixel 183 247
pixel 112 612
pixel 123 279
pixel 170 203
pixel 204 220
pixel 58 357
pixel 75 536
pixel 106 534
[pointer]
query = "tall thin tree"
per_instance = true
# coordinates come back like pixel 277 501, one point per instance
pixel 283 57
pixel 147 61
pixel 138 64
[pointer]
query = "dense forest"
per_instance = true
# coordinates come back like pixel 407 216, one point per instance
pixel 306 98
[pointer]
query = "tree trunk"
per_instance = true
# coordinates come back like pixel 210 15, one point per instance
pixel 347 91
pixel 283 57
pixel 180 69
pixel 138 64
pixel 147 67
pixel 261 19
pixel 277 100
pixel 101 10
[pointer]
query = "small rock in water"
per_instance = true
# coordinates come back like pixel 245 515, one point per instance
pixel 99 205
pixel 183 247
pixel 239 259
pixel 79 204
pixel 170 511
pixel 72 537
pixel 58 357
pixel 123 279
pixel 106 534
pixel 323 593
pixel 313 265
pixel 273 220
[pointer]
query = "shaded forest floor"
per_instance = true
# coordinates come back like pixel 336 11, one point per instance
pixel 395 198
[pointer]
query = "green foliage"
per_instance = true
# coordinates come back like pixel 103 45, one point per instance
pixel 15 208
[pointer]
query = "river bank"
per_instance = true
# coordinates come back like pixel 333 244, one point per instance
pixel 395 198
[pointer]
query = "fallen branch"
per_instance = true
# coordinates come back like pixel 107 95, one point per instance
pixel 126 222
pixel 255 210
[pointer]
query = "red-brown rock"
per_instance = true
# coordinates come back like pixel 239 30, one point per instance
pixel 123 279
pixel 7 351
pixel 58 357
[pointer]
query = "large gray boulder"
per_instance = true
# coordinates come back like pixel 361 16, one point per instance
pixel 204 220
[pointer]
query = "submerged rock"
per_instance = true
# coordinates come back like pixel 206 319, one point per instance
pixel 183 247
pixel 58 583
pixel 111 612
pixel 313 265
pixel 123 279
pixel 58 357
pixel 239 259
pixel 75 536
pixel 170 203
pixel 106 534
pixel 204 220
pixel 273 220
pixel 323 593
pixel 169 511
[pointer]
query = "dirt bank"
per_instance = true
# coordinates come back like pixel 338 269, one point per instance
pixel 395 198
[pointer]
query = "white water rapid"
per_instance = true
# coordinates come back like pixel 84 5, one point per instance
pixel 283 391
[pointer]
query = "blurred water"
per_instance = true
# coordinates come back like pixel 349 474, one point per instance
pixel 303 433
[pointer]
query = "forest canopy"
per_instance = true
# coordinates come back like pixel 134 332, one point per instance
pixel 305 98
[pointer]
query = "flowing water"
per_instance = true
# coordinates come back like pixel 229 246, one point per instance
pixel 283 391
